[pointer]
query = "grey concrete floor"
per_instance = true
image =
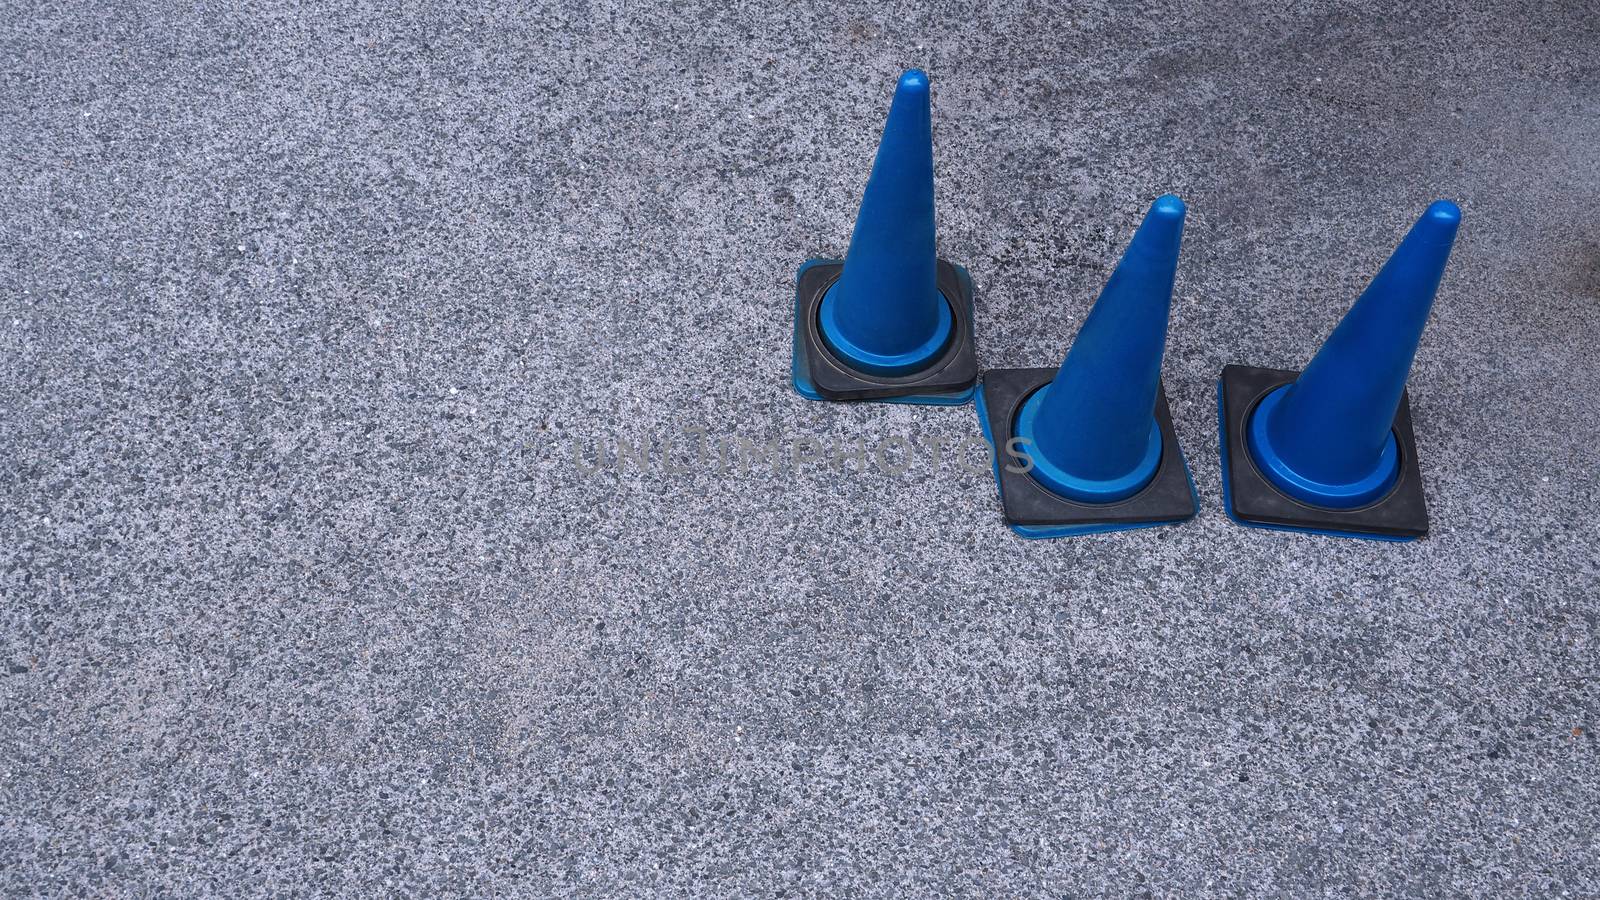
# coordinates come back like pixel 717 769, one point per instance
pixel 302 311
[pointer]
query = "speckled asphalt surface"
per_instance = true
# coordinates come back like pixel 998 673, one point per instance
pixel 302 312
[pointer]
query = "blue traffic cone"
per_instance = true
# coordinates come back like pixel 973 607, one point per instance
pixel 1094 429
pixel 894 322
pixel 885 314
pixel 1096 435
pixel 1329 439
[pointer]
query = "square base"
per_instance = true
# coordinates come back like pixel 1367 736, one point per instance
pixel 1250 499
pixel 1034 511
pixel 818 375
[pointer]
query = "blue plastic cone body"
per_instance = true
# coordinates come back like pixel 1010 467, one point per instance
pixel 1094 432
pixel 885 314
pixel 1327 439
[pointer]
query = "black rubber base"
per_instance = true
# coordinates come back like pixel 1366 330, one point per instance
pixel 949 379
pixel 1036 511
pixel 1251 499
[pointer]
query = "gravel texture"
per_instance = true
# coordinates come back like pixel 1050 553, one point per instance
pixel 302 312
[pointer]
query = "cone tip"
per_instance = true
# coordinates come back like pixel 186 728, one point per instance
pixel 1437 227
pixel 912 80
pixel 1169 206
pixel 1443 212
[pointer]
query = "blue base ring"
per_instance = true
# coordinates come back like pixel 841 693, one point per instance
pixel 1353 495
pixel 1072 487
pixel 884 364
